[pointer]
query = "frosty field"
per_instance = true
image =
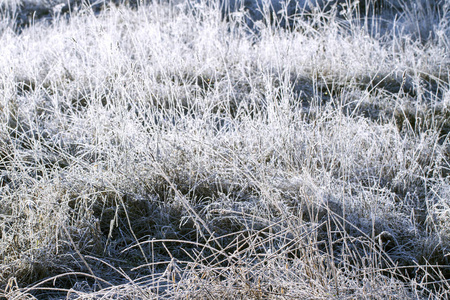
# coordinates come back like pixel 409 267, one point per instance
pixel 210 150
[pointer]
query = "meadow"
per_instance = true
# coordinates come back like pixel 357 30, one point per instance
pixel 210 150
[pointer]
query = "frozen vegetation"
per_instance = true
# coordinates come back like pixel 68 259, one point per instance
pixel 225 150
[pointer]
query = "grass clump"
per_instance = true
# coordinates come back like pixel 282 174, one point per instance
pixel 164 151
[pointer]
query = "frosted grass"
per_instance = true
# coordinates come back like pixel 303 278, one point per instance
pixel 163 152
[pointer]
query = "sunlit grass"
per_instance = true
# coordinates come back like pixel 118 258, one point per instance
pixel 164 152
